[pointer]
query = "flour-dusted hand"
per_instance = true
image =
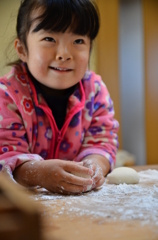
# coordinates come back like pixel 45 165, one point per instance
pixel 54 175
pixel 62 178
pixel 98 177
pixel 100 167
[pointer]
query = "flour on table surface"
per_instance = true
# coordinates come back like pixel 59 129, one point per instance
pixel 148 175
pixel 114 202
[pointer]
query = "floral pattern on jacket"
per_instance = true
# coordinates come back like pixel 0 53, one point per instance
pixel 28 130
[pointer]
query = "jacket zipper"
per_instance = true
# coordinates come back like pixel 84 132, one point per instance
pixel 63 130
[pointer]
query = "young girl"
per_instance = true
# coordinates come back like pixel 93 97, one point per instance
pixel 56 117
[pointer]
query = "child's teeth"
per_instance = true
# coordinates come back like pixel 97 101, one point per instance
pixel 64 69
pixel 60 69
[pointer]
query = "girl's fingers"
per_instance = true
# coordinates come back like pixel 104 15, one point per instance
pixel 71 168
pixel 72 179
pixel 90 164
pixel 98 177
pixel 71 188
pixel 99 183
pixel 79 163
pixel 98 172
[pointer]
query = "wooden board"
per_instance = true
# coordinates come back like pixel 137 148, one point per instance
pixel 61 222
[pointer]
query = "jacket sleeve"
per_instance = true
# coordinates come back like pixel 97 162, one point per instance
pixel 101 136
pixel 14 147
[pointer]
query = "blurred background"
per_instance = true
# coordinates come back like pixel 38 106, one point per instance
pixel 125 54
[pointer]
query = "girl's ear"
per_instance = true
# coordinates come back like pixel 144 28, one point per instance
pixel 20 49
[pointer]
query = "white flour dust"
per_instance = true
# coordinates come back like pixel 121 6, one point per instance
pixel 123 202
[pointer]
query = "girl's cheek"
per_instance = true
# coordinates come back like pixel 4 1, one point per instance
pixel 84 60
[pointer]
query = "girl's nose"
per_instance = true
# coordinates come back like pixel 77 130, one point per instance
pixel 63 55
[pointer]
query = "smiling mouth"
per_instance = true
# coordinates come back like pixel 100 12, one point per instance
pixel 61 69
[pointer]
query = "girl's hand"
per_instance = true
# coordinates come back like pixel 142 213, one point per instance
pixel 58 177
pixel 100 167
pixel 98 177
pixel 54 175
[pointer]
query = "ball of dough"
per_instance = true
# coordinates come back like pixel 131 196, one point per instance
pixel 83 175
pixel 123 175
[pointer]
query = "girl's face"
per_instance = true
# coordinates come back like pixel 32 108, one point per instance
pixel 57 60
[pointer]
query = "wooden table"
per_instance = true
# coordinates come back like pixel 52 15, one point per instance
pixel 65 218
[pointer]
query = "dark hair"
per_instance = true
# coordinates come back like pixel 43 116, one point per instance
pixel 79 16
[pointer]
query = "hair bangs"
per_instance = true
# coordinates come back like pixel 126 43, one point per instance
pixel 60 16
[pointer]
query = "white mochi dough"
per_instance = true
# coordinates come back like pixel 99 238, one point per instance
pixel 123 175
pixel 83 175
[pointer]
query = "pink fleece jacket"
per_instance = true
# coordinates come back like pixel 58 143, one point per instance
pixel 28 130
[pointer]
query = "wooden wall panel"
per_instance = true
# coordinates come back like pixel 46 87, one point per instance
pixel 151 78
pixel 108 51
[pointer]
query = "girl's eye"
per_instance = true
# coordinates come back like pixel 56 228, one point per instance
pixel 49 39
pixel 79 41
